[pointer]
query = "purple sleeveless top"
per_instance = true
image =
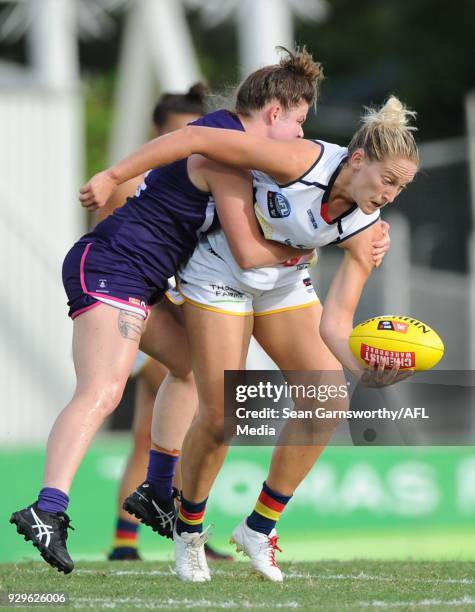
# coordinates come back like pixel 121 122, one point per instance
pixel 158 228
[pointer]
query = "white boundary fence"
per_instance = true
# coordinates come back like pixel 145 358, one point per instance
pixel 41 158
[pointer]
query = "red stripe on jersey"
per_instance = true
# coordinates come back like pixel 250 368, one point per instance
pixel 324 212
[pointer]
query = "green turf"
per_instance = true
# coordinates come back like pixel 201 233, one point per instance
pixel 345 545
pixel 330 585
pixel 395 544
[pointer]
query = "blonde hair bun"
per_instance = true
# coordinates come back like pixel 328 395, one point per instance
pixel 385 132
pixel 393 114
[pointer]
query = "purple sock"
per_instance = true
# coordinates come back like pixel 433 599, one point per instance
pixel 160 473
pixel 52 500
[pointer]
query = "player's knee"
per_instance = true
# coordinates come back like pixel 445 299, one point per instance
pixel 216 432
pixel 331 416
pixel 107 398
pixel 212 423
pixel 182 371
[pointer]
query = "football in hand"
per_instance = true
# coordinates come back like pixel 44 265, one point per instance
pixel 416 345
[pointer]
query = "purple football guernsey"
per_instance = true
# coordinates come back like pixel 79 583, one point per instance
pixel 127 258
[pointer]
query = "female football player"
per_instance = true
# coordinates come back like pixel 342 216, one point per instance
pixel 173 111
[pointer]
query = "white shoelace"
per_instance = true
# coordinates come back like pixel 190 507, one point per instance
pixel 195 552
pixel 194 558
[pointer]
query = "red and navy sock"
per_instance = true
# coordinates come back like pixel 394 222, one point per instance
pixel 161 471
pixel 267 511
pixel 52 500
pixel 190 516
pixel 125 537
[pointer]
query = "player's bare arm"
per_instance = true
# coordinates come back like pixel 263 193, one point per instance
pixel 284 160
pixel 340 306
pixel 344 295
pixel 118 197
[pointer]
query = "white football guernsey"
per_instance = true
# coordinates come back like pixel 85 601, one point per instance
pixel 295 214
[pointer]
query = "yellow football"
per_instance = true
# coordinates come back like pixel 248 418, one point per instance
pixel 415 344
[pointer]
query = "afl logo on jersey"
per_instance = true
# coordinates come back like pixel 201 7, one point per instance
pixel 278 205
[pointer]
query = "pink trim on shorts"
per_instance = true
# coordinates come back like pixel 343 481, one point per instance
pixel 78 312
pixel 81 268
pixel 102 297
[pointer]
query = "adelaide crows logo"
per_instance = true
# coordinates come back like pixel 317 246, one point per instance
pixel 278 205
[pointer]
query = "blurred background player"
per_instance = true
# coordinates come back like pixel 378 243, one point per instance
pixel 173 111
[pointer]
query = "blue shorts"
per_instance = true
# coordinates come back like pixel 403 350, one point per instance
pixel 93 274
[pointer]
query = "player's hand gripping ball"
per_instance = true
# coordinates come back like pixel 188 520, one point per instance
pixel 416 345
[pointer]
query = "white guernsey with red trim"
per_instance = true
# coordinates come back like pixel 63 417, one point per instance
pixel 296 214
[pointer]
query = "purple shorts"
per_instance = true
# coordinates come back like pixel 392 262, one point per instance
pixel 94 274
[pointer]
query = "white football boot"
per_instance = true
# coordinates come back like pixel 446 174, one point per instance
pixel 190 557
pixel 260 548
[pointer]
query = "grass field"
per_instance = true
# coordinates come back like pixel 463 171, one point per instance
pixel 329 585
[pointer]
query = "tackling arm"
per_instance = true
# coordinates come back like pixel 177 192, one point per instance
pixel 232 192
pixel 284 160
pixel 119 197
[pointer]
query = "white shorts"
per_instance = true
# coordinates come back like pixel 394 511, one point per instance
pixel 207 282
pixel 172 294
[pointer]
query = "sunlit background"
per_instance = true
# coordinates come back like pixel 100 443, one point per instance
pixel 78 82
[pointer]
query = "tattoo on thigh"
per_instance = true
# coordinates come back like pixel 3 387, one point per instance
pixel 131 325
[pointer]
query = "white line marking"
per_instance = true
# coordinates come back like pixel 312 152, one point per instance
pixel 153 604
pixel 363 576
pixel 291 575
pixel 463 601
